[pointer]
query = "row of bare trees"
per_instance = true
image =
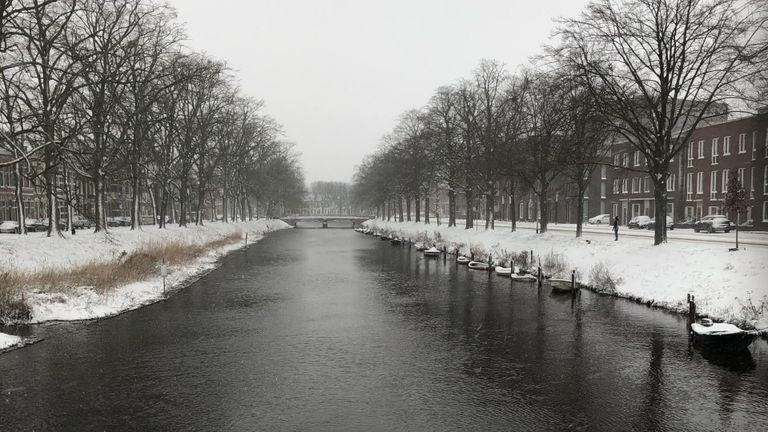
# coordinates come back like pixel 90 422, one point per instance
pixel 644 73
pixel 100 92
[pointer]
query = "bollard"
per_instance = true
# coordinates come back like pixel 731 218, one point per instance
pixel 539 278
pixel 531 258
pixel 471 256
pixel 691 311
pixel 573 282
pixel 445 253
pixel 246 239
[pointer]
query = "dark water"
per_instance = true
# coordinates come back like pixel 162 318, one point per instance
pixel 329 330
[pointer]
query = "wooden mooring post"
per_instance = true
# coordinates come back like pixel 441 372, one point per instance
pixel 691 311
pixel 445 253
pixel 573 282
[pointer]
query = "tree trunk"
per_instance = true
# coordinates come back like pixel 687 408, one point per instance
pixel 19 199
pixel 407 209
pixel 135 198
pixel 544 208
pixel 451 207
pixel 660 208
pixel 580 209
pixel 418 209
pixel 513 213
pixel 389 210
pixel 200 203
pixel 400 209
pixel 426 209
pixel 469 223
pixel 98 207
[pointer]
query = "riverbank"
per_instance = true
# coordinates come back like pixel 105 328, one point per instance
pixel 730 286
pixel 98 275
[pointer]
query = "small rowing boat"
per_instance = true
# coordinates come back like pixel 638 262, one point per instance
pixel 477 265
pixel 462 260
pixel 525 277
pixel 561 285
pixel 721 336
pixel 503 271
pixel 433 251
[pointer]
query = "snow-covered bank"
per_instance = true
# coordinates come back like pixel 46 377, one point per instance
pixel 37 253
pixel 8 341
pixel 732 286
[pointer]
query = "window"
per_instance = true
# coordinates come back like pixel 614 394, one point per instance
pixel 635 189
pixel 727 146
pixel 690 155
pixel 637 158
pixel 647 184
pixel 742 172
pixel 671 183
pixel 616 161
pixel 714 151
pixel 699 183
pixel 603 172
pixel 754 145
pixel 626 159
pixel 752 183
pixel 615 186
pixel 689 185
pixel 765 180
pixel 713 210
pixel 725 180
pixel 742 143
pixel 701 149
pixel 765 211
pixel 713 185
pixel 623 185
pixel 602 190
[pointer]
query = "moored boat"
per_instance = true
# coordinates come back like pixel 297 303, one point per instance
pixel 721 336
pixel 462 260
pixel 396 241
pixel 503 271
pixel 525 277
pixel 561 285
pixel 477 265
pixel 433 251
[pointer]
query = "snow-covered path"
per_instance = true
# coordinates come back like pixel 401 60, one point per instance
pixel 727 285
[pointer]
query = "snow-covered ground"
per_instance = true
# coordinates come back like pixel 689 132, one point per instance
pixel 36 252
pixel 727 285
pixel 8 341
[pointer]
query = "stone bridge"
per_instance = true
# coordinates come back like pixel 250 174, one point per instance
pixel 354 221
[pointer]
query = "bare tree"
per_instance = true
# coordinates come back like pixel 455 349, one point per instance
pixel 659 68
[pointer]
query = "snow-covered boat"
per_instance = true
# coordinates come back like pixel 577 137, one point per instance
pixel 525 277
pixel 721 336
pixel 503 271
pixel 462 260
pixel 420 247
pixel 561 285
pixel 433 251
pixel 396 241
pixel 477 265
pixel 384 237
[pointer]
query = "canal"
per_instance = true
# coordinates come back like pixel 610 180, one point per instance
pixel 330 330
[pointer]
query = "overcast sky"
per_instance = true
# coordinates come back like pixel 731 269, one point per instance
pixel 337 74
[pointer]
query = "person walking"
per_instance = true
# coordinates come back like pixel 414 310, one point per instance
pixel 616 228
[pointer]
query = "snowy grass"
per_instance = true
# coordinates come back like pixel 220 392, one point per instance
pixel 731 286
pixel 94 275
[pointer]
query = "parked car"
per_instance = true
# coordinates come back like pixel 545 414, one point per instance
pixel 639 222
pixel 686 222
pixel 652 224
pixel 713 223
pixel 35 225
pixel 600 219
pixel 80 222
pixel 9 227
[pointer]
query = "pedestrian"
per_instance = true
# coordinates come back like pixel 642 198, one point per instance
pixel 616 228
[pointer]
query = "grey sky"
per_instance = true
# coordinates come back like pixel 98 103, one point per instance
pixel 337 74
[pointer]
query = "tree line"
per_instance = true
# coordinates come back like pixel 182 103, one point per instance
pixel 104 91
pixel 644 73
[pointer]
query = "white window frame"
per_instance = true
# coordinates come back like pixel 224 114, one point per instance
pixel 752 183
pixel 616 186
pixel 616 159
pixel 742 143
pixel 690 154
pixel 742 173
pixel 637 158
pixel 713 185
pixel 765 211
pixel 646 184
pixel 689 186
pixel 700 183
pixel 714 151
pixel 727 145
pixel 701 149
pixel 624 185
pixel 626 159
pixel 765 180
pixel 726 177
pixel 603 172
pixel 671 183
pixel 754 145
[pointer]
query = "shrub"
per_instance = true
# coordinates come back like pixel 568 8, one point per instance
pixel 555 265
pixel 602 280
